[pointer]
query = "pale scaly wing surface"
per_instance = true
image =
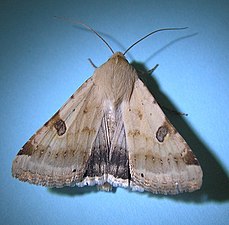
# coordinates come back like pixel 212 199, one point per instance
pixel 57 154
pixel 160 160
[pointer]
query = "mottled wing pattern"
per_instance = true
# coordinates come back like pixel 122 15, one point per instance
pixel 57 154
pixel 160 160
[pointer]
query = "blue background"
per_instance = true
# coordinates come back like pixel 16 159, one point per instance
pixel 44 60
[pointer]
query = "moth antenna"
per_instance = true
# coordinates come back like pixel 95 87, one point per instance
pixel 89 28
pixel 92 63
pixel 153 32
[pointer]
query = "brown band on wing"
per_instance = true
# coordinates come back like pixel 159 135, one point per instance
pixel 27 149
pixel 190 159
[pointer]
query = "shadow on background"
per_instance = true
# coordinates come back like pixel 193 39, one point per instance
pixel 76 191
pixel 215 180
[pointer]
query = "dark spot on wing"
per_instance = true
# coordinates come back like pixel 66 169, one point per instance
pixel 60 127
pixel 161 133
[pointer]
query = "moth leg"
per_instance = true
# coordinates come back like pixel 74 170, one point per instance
pixel 174 111
pixel 152 70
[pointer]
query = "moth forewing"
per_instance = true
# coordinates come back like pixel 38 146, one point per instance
pixel 160 159
pixel 55 158
pixel 111 131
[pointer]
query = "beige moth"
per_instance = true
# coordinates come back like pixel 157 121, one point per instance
pixel 111 132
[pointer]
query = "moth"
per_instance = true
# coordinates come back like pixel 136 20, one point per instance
pixel 111 132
